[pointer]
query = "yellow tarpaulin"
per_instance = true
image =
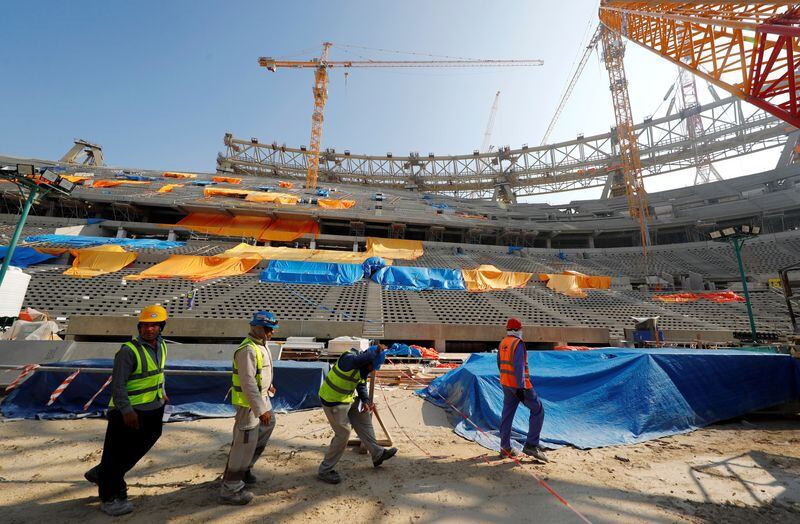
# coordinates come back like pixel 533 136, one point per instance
pixel 395 248
pixel 276 198
pixel 115 183
pixel 565 284
pixel 197 268
pixel 286 229
pixel 76 179
pixel 591 281
pixel 332 203
pixel 245 226
pixel 208 223
pixel 52 250
pixel 221 191
pixel 168 188
pixel 228 179
pixel 305 255
pixel 489 278
pixel 173 174
pixel 100 260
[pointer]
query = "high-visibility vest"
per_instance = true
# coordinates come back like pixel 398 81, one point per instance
pixel 340 385
pixel 237 397
pixel 146 383
pixel 505 362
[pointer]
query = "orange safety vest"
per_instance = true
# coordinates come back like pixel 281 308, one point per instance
pixel 505 362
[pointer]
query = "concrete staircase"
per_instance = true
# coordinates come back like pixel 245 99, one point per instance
pixel 373 315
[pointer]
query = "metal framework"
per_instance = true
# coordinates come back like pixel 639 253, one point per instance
pixel 85 153
pixel 747 48
pixel 731 129
pixel 694 125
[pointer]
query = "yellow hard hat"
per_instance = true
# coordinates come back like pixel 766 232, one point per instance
pixel 153 314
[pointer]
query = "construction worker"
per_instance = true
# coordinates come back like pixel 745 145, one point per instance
pixel 136 410
pixel 512 360
pixel 255 420
pixel 346 380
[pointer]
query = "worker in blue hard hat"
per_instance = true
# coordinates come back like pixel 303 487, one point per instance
pixel 254 422
pixel 347 380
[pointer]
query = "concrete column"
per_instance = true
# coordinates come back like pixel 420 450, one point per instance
pixel 440 345
pixel 355 246
pixel 313 244
pixel 591 242
pixel 121 233
pixel 171 236
pixel 548 243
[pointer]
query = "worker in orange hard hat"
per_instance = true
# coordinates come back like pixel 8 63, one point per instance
pixel 136 410
pixel 512 360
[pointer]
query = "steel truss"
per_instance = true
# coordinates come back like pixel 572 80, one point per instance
pixel 731 129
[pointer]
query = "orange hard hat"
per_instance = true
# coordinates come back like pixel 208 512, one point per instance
pixel 153 314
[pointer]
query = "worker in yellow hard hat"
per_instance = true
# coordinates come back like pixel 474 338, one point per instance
pixel 136 410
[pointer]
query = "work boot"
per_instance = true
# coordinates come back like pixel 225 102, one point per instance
pixel 331 477
pixel 116 507
pixel 249 478
pixel 506 453
pixel 386 455
pixel 93 475
pixel 240 498
pixel 536 452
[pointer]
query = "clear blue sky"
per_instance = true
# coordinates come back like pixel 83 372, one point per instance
pixel 157 84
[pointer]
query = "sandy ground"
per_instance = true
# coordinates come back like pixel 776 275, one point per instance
pixel 744 471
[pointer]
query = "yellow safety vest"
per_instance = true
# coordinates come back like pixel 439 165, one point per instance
pixel 237 397
pixel 146 383
pixel 340 385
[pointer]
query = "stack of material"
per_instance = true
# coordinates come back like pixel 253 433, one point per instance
pixel 408 376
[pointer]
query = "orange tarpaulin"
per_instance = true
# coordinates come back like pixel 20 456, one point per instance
pixel 305 255
pixel 246 226
pixel 115 183
pixel 276 198
pixel 220 191
pixel 287 229
pixel 228 179
pixel 332 203
pixel 591 281
pixel 76 179
pixel 173 174
pixel 197 268
pixel 99 260
pixel 564 284
pixel 719 297
pixel 52 250
pixel 287 185
pixel 488 278
pixel 395 248
pixel 168 188
pixel 208 223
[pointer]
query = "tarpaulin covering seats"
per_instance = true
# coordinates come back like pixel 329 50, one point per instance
pixel 135 178
pixel 227 179
pixel 307 255
pixel 25 256
pixel 76 179
pixel 620 396
pixel 79 241
pixel 489 278
pixel 419 278
pixel 395 248
pixel 287 185
pixel 221 191
pixel 115 183
pixel 168 188
pixel 196 268
pixel 245 226
pixel 590 281
pixel 100 260
pixel 720 297
pixel 332 203
pixel 191 396
pixel 208 223
pixel 564 284
pixel 288 229
pixel 294 272
pixel 373 264
pixel 174 174
pixel 275 198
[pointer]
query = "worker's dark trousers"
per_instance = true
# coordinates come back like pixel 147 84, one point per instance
pixel 510 404
pixel 123 448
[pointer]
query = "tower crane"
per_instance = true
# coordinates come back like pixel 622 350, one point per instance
pixel 487 135
pixel 322 64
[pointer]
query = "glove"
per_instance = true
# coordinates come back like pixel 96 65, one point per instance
pixel 520 394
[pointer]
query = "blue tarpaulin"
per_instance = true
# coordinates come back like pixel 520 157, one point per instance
pixel 25 256
pixel 403 350
pixel 323 192
pixel 191 396
pixel 620 396
pixel 79 241
pixel 371 265
pixel 419 278
pixel 138 178
pixel 203 183
pixel 297 272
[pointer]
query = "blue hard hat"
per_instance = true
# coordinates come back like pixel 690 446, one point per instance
pixel 378 357
pixel 265 319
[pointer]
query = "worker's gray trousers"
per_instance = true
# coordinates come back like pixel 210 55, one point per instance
pixel 247 446
pixel 340 418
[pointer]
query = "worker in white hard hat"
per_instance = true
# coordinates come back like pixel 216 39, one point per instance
pixel 136 410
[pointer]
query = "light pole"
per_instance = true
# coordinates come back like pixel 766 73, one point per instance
pixel 736 237
pixel 25 176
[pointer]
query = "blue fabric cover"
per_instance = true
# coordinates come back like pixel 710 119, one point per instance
pixel 203 183
pixel 323 192
pixel 620 396
pixel 371 265
pixel 78 241
pixel 138 178
pixel 192 396
pixel 25 256
pixel 403 350
pixel 514 249
pixel 298 272
pixel 419 278
pixel 95 220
